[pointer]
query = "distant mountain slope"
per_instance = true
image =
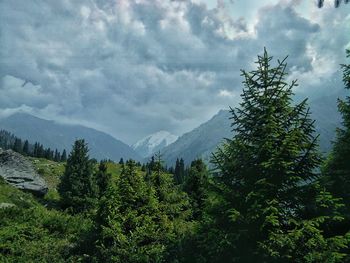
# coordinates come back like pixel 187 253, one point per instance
pixel 203 140
pixel 62 136
pixel 327 118
pixel 154 143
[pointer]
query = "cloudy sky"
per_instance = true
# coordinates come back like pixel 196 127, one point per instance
pixel 133 67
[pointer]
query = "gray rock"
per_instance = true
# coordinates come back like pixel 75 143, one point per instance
pixel 20 172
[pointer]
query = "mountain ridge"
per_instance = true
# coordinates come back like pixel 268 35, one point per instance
pixel 154 142
pixel 62 136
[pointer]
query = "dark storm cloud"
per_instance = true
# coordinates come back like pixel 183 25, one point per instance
pixel 135 67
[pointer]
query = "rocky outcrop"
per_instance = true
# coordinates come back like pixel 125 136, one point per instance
pixel 20 172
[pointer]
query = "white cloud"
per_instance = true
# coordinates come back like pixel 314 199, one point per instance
pixel 134 67
pixel 226 93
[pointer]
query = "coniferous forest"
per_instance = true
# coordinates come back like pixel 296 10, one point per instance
pixel 269 196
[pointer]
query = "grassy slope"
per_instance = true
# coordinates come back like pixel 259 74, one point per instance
pixel 52 171
pixel 30 232
pixel 34 229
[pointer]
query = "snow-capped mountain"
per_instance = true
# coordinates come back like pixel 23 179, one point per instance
pixel 154 143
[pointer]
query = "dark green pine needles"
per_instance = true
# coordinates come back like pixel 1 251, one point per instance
pixel 266 181
pixel 78 187
pixel 337 168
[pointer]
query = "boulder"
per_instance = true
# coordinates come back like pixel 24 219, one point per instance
pixel 20 172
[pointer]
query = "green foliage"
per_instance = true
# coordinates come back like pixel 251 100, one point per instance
pixel 51 171
pixel 196 186
pixel 64 156
pixel 174 209
pixel 265 176
pixel 337 168
pixel 128 221
pixel 266 204
pixel 103 178
pixel 25 149
pixel 78 187
pixel 142 217
pixel 31 233
pixel 336 171
pixel 179 173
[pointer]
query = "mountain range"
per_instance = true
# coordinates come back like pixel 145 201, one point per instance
pixel 62 136
pixel 198 143
pixel 204 140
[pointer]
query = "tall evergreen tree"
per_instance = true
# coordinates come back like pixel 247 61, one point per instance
pixel 35 151
pixel 128 221
pixel 174 206
pixel 196 186
pixel 77 187
pixel 17 147
pixel 47 154
pixel 179 174
pixel 177 171
pixel 41 151
pixel 265 181
pixel 103 178
pixel 25 149
pixel 57 156
pixel 64 156
pixel 337 168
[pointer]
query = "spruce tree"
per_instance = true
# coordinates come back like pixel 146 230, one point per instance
pixel 35 150
pixel 47 154
pixel 41 151
pixel 337 168
pixel 179 171
pixel 196 186
pixel 182 170
pixel 266 175
pixel 103 178
pixel 26 147
pixel 77 187
pixel 17 147
pixel 57 156
pixel 174 207
pixel 64 156
pixel 128 221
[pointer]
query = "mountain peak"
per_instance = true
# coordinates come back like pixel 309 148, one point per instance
pixel 154 142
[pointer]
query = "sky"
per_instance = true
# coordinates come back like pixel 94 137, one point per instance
pixel 134 67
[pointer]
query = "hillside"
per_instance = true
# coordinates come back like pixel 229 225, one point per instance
pixel 203 140
pixel 62 136
pixel 35 229
pixel 31 232
pixel 200 142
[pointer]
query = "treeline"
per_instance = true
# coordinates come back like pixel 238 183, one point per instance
pixel 273 199
pixel 268 202
pixel 139 216
pixel 10 141
pixel 179 170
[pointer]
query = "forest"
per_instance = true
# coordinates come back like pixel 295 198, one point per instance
pixel 271 196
